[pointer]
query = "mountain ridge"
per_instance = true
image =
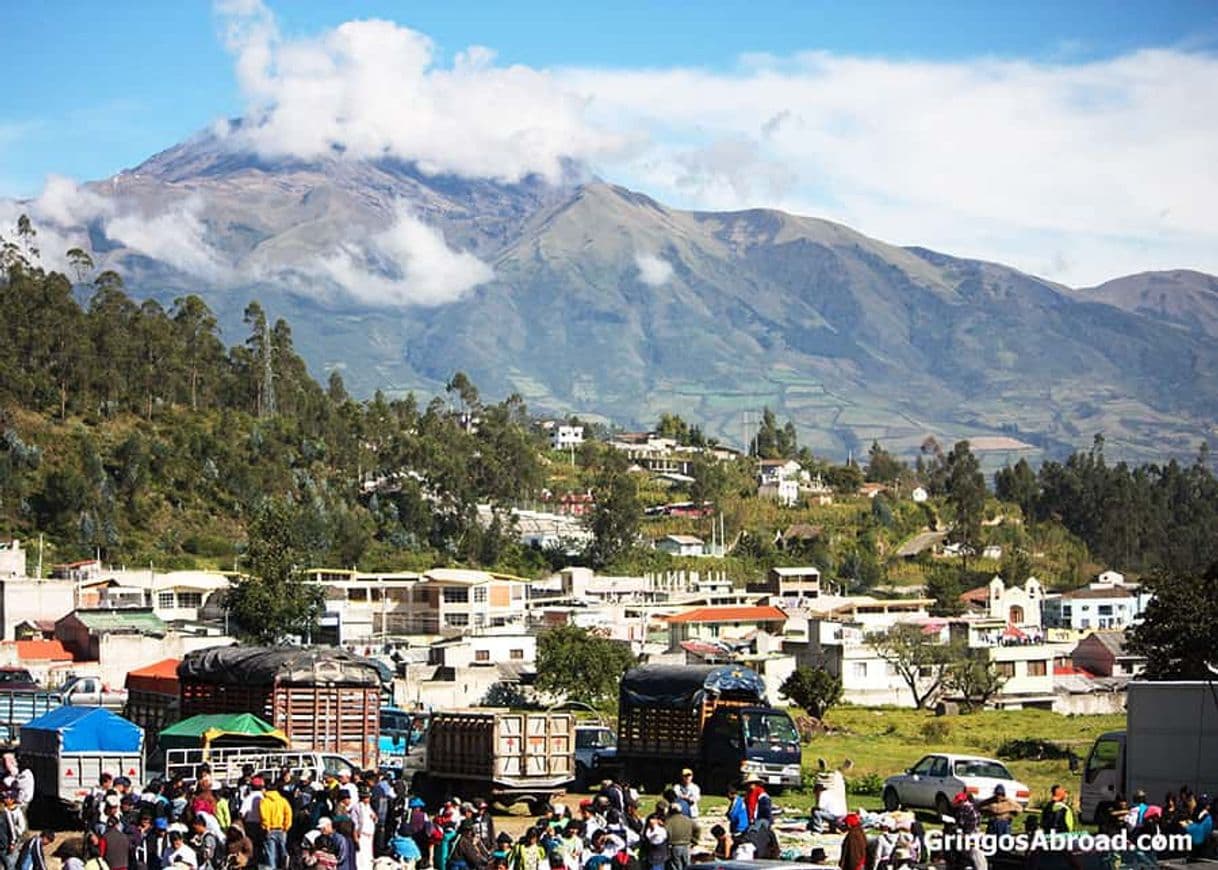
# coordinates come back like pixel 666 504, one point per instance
pixel 852 337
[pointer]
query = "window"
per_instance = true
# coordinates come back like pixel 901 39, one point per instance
pixel 890 669
pixel 858 670
pixel 1103 757
pixel 360 595
pixel 190 599
pixel 922 768
pixel 456 620
pixel 516 655
pixel 1065 611
pixel 1105 609
pixel 479 595
pixel 1005 669
pixel 1016 617
pixel 482 655
pixel 1038 669
pixel 164 600
pixel 456 595
pixel 939 768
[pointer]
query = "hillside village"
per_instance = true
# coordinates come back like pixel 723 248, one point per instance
pixel 456 637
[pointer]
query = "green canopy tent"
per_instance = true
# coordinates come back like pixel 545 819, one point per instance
pixel 222 729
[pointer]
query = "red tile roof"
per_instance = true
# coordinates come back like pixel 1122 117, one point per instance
pixel 754 613
pixel 42 650
pixel 980 595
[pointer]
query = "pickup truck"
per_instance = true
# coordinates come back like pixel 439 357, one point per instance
pixel 20 705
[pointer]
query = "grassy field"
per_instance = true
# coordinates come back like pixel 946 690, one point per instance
pixel 885 741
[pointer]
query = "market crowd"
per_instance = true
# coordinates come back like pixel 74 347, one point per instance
pixel 362 821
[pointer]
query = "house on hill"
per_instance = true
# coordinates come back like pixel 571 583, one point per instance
pixel 1103 654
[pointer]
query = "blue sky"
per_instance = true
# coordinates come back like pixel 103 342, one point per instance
pixel 1074 140
pixel 91 93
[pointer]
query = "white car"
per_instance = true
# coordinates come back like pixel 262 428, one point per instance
pixel 936 779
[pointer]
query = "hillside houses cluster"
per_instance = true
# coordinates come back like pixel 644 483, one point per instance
pixel 452 635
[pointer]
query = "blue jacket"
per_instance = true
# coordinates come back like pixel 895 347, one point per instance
pixel 738 815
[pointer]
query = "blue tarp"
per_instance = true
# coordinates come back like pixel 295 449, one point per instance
pixel 89 729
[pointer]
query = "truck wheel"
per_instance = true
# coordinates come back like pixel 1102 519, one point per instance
pixel 892 801
pixel 581 776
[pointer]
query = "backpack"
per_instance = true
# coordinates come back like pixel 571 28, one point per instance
pixel 433 832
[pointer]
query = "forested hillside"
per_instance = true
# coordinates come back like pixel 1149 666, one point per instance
pixel 133 431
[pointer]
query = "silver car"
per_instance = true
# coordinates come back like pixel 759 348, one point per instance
pixel 936 779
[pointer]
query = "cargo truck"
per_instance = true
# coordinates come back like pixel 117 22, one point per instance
pixel 1170 740
pixel 713 719
pixel 68 748
pixel 501 755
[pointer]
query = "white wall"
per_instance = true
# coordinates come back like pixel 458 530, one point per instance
pixel 27 600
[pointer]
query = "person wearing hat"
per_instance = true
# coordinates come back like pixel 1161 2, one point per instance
pixel 1000 811
pixel 854 845
pixel 688 791
pixel 251 814
pixel 1058 815
pixel 417 826
pixel 818 856
pixel 737 812
pixel 467 853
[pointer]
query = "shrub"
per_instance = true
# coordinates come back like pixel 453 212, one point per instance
pixel 871 784
pixel 935 730
pixel 1031 749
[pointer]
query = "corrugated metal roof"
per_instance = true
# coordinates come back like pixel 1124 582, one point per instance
pixel 137 620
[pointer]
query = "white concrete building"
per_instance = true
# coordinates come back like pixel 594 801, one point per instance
pixel 789 586
pixel 1017 605
pixel 681 545
pixel 29 600
pixel 12 559
pixel 564 437
pixel 1100 605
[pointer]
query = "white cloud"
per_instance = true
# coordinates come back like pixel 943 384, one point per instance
pixel 653 271
pixel 375 89
pixel 176 235
pixel 1074 168
pixel 407 264
pixel 66 203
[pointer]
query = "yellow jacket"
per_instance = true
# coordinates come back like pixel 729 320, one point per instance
pixel 276 812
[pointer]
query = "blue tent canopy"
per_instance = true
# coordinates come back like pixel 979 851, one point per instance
pixel 89 729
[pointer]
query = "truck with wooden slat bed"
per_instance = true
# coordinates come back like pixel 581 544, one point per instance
pixel 504 756
pixel 712 719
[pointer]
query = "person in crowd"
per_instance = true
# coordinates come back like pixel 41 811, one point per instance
pixel 737 812
pixel 178 854
pixel 723 843
pixel 363 818
pixel 999 811
pixel 827 810
pixel 274 821
pixel 117 851
pixel 1057 815
pixel 854 844
pixel 655 840
pixel 688 791
pixel 683 835
pixel 238 849
pixel 205 842
pixel 528 854
pixel 1201 828
pixel 344 842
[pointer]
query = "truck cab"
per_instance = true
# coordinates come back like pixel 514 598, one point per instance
pixel 91 692
pixel 752 740
pixel 595 750
pixel 403 733
pixel 1103 776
